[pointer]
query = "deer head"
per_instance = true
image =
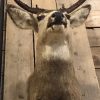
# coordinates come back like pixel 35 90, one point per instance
pixel 43 19
pixel 52 45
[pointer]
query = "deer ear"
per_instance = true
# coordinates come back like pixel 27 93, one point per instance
pixel 21 18
pixel 79 17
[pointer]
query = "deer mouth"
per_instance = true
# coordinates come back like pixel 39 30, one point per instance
pixel 51 24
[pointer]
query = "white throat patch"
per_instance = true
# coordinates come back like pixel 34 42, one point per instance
pixel 62 52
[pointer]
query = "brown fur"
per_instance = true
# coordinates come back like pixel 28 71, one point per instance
pixel 53 79
pixel 54 76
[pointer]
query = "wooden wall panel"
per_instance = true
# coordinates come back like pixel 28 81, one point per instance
pixel 85 70
pixel 94 37
pixel 96 56
pixel 83 63
pixel 94 17
pixel 48 4
pixel 95 4
pixel 98 74
pixel 18 59
pixel 94 40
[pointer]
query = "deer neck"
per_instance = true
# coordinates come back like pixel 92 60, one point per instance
pixel 54 46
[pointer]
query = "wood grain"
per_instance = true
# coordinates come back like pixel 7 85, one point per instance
pixel 18 59
pixel 95 4
pixel 83 62
pixel 50 4
pixel 96 56
pixel 85 69
pixel 94 17
pixel 94 37
pixel 98 75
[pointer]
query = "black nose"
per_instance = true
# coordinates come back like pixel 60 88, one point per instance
pixel 58 17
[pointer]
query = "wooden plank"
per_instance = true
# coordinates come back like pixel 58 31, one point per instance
pixel 83 63
pixel 60 2
pixel 98 74
pixel 95 4
pixel 94 20
pixel 96 56
pixel 85 70
pixel 18 59
pixel 94 37
pixel 50 4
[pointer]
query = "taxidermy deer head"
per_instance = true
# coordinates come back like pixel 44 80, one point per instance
pixel 54 77
pixel 40 19
pixel 47 22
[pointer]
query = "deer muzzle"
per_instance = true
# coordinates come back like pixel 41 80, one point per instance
pixel 57 18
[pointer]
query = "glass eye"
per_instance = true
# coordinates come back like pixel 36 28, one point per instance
pixel 68 16
pixel 40 17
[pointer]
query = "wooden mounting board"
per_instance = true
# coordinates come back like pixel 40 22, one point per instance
pixel 94 37
pixel 94 40
pixel 19 57
pixel 94 17
pixel 84 67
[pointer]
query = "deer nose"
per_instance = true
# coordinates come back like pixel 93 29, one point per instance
pixel 58 17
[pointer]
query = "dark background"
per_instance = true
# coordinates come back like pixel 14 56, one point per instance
pixel 1 47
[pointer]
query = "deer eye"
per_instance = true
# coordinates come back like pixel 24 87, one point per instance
pixel 68 16
pixel 40 17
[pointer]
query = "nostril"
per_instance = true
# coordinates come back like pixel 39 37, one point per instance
pixel 57 14
pixel 53 15
pixel 62 16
